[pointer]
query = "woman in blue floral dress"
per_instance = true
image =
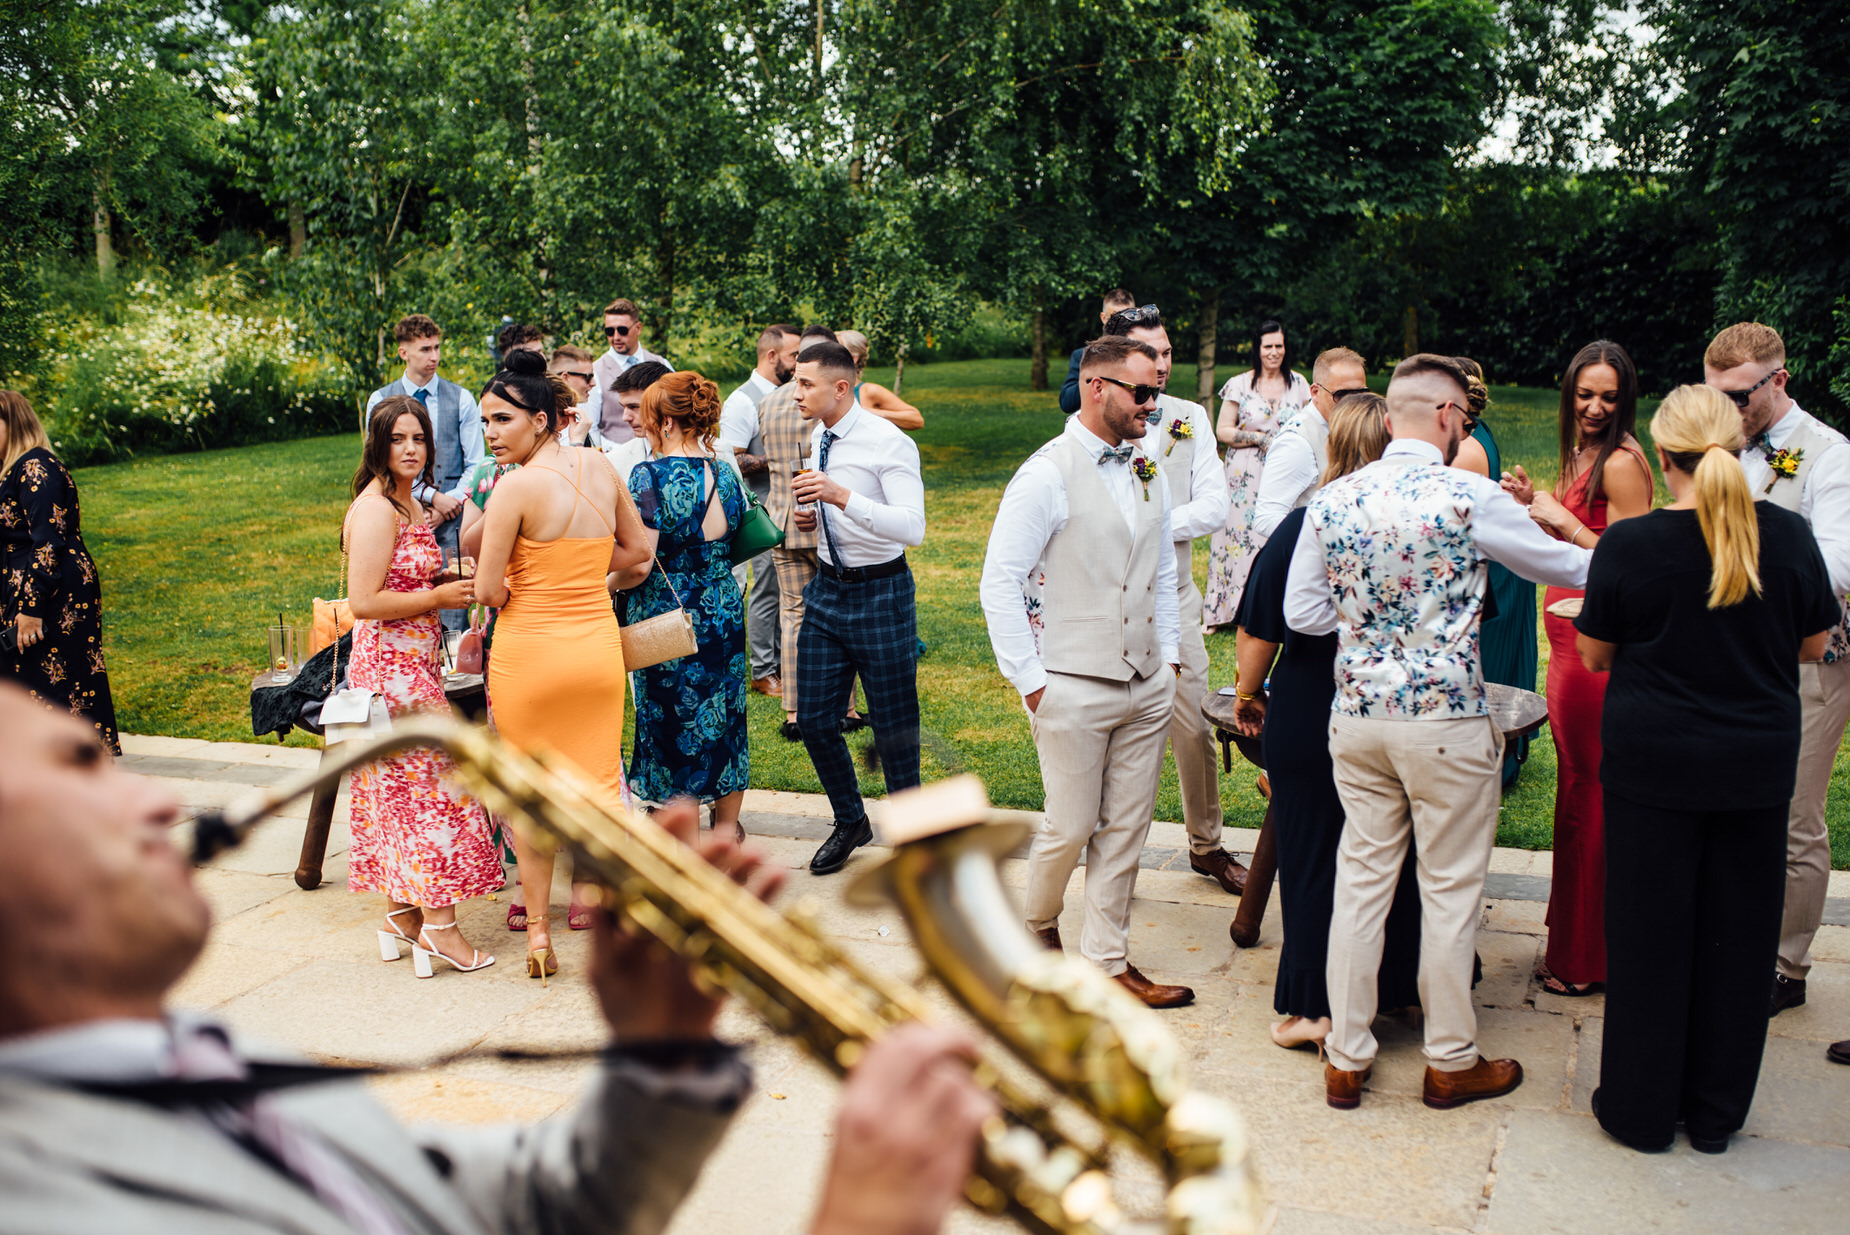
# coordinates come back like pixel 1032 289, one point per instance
pixel 690 712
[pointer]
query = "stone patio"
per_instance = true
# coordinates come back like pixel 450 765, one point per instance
pixel 301 968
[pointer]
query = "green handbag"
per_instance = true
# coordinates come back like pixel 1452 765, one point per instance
pixel 757 531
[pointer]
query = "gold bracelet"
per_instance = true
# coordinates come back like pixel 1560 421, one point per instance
pixel 1238 694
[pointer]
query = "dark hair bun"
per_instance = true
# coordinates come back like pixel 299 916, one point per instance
pixel 524 361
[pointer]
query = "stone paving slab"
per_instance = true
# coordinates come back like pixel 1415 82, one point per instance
pixel 303 969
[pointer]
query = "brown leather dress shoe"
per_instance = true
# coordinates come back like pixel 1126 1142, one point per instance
pixel 771 685
pixel 1343 1090
pixel 1050 938
pixel 1220 867
pixel 1153 994
pixel 1487 1078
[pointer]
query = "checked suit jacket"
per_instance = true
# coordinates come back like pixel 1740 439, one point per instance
pixel 786 448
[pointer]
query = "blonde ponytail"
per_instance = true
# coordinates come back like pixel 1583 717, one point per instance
pixel 1700 431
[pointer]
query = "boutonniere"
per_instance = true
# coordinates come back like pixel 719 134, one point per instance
pixel 1179 430
pixel 1144 469
pixel 1785 463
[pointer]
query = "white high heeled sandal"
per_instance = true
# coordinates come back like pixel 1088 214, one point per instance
pixel 390 939
pixel 421 955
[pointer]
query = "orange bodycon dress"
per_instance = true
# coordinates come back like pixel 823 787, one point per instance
pixel 555 674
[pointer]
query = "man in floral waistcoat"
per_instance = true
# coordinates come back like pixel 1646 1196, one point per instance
pixel 1392 558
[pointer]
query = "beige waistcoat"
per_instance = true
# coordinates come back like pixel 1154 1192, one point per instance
pixel 1098 602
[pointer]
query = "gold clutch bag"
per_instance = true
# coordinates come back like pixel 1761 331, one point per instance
pixel 666 636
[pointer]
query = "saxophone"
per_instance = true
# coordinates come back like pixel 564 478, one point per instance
pixel 1100 1071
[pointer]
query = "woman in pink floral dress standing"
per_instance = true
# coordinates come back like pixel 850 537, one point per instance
pixel 1253 406
pixel 424 845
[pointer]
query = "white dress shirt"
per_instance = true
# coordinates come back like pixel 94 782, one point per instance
pixel 468 428
pixel 1825 500
pixel 1500 527
pixel 879 465
pixel 738 415
pixel 1033 511
pixel 1209 500
pixel 1290 468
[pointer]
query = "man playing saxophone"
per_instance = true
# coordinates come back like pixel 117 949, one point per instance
pixel 119 1114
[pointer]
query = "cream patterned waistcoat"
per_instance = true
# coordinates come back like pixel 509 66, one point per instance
pixel 1813 439
pixel 1409 585
pixel 1098 590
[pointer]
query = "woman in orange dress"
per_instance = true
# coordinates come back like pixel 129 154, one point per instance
pixel 423 845
pixel 1604 478
pixel 552 532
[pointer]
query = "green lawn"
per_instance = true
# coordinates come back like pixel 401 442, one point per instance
pixel 199 552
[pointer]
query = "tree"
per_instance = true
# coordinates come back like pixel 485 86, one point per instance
pixel 1761 128
pixel 92 114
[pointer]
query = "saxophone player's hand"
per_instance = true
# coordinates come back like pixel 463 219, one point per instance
pixel 906 1136
pixel 644 989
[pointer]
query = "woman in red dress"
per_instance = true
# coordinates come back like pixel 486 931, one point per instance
pixel 1604 478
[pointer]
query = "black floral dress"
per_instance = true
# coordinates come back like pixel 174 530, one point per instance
pixel 46 573
pixel 690 712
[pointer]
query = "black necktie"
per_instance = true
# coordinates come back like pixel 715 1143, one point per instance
pixel 822 516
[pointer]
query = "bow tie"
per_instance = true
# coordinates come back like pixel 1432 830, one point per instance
pixel 1120 454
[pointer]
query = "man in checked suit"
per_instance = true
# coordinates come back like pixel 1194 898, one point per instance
pixel 119 1115
pixel 454 419
pixel 785 434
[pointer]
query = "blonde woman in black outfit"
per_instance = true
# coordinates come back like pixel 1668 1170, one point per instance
pixel 1701 612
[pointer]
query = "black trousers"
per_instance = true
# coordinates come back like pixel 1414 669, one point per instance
pixel 1693 907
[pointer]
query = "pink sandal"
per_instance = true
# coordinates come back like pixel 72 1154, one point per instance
pixel 517 917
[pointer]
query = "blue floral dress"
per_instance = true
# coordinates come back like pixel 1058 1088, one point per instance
pixel 690 712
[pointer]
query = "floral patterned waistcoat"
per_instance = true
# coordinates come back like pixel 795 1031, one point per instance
pixel 1808 441
pixel 1409 584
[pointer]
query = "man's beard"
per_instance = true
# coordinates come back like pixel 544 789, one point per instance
pixel 784 375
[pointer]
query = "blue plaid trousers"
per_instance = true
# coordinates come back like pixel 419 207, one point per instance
pixel 869 629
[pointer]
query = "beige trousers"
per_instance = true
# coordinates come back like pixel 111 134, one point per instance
pixel 1439 781
pixel 1824 707
pixel 1189 737
pixel 795 568
pixel 1101 752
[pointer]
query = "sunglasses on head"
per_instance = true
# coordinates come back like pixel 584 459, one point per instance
pixel 1139 394
pixel 1135 317
pixel 1741 397
pixel 622 330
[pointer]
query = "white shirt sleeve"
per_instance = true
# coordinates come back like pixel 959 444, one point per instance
pixel 1032 512
pixel 1290 465
pixel 1506 534
pixel 1209 501
pixel 469 433
pixel 1826 506
pixel 1310 606
pixel 738 422
pixel 1168 615
pixel 902 516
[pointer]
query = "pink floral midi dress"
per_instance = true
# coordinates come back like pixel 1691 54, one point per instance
pixel 414 837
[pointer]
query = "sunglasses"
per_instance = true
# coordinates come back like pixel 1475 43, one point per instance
pixel 1340 395
pixel 1462 410
pixel 622 330
pixel 1741 397
pixel 583 377
pixel 1139 394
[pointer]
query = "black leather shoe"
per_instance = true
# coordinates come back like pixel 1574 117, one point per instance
pixel 844 840
pixel 1787 993
pixel 791 732
pixel 1838 1052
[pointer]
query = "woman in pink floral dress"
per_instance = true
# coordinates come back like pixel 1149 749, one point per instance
pixel 1253 406
pixel 424 845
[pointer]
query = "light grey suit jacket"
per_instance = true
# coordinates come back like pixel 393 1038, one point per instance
pixel 73 1163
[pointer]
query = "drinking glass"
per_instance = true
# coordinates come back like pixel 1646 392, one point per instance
pixel 283 661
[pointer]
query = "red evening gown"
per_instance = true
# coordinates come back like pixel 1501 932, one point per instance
pixel 1577 892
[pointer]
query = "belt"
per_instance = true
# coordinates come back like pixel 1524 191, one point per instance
pixel 863 574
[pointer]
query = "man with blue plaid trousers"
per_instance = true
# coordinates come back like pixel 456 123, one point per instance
pixel 865 495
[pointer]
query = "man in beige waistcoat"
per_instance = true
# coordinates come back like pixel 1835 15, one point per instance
pixel 1796 461
pixel 1183 443
pixel 1087 516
